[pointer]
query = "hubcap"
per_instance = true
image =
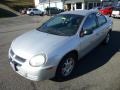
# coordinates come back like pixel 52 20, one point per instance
pixel 68 66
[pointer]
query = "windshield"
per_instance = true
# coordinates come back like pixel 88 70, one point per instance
pixel 63 25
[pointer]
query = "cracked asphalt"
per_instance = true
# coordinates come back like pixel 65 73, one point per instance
pixel 99 70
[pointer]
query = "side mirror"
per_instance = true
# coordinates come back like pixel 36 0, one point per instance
pixel 86 32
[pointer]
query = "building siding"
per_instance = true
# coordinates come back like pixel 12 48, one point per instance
pixel 85 4
pixel 43 4
pixel 67 4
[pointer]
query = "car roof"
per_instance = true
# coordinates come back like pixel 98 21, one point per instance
pixel 79 12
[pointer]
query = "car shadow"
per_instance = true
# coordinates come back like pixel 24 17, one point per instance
pixel 96 58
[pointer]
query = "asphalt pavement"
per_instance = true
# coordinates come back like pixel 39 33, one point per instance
pixel 99 70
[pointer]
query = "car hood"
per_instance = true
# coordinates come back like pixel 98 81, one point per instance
pixel 36 42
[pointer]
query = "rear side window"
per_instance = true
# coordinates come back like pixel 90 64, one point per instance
pixel 35 9
pixel 101 19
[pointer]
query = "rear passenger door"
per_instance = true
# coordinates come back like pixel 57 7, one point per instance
pixel 103 27
pixel 88 41
pixel 36 11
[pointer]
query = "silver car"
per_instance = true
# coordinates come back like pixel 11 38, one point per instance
pixel 34 11
pixel 53 49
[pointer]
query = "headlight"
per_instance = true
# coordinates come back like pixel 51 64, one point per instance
pixel 38 60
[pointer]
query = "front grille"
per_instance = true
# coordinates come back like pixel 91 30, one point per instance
pixel 18 58
pixel 11 52
pixel 14 62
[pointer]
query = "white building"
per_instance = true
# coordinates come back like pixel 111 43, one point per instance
pixel 42 4
pixel 68 4
pixel 81 4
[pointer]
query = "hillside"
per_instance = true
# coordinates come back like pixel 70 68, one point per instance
pixel 6 11
pixel 18 4
pixel 11 8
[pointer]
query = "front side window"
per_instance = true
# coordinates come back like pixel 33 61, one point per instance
pixel 63 24
pixel 35 9
pixel 90 23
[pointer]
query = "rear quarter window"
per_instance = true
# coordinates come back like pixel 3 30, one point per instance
pixel 90 23
pixel 101 19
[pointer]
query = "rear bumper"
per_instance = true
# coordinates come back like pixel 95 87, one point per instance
pixel 28 12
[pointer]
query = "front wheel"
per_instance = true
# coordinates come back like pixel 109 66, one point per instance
pixel 66 66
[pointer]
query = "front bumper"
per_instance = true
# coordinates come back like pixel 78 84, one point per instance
pixel 29 72
pixel 35 74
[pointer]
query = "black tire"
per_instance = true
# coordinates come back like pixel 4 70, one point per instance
pixel 31 14
pixel 113 17
pixel 109 15
pixel 107 38
pixel 42 14
pixel 70 59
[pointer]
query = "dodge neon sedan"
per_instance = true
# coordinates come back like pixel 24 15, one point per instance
pixel 53 49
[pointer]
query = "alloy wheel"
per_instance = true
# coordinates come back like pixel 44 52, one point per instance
pixel 67 67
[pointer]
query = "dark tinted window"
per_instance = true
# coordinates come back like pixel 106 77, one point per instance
pixel 90 23
pixel 90 5
pixel 78 5
pixel 98 4
pixel 35 9
pixel 101 19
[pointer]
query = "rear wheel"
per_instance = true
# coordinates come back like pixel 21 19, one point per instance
pixel 31 14
pixel 42 14
pixel 107 39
